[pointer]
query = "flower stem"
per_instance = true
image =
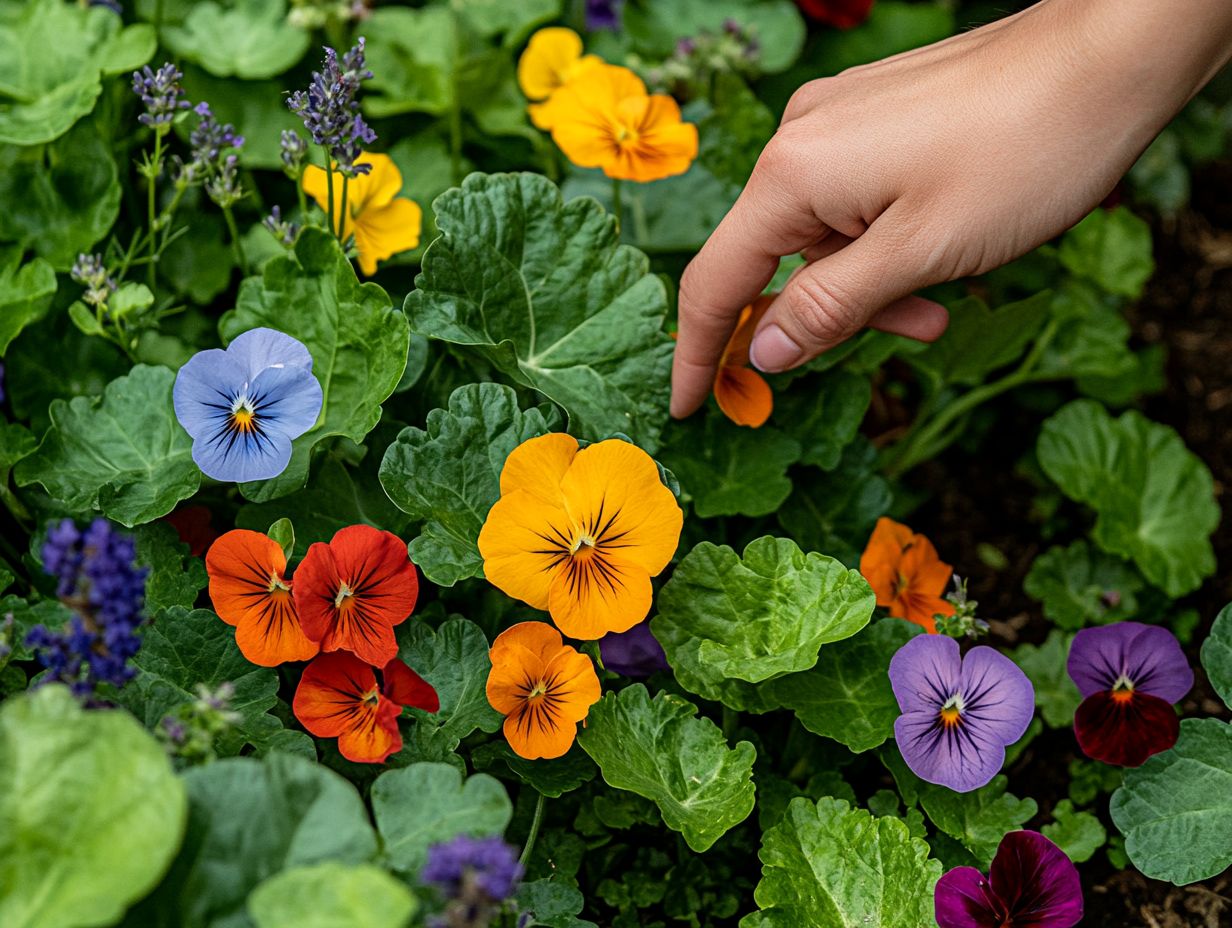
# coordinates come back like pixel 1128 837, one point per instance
pixel 329 184
pixel 731 721
pixel 533 834
pixel 152 200
pixel 342 213
pixel 236 245
pixel 616 189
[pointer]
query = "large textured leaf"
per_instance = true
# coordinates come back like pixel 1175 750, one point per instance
pixel 1154 500
pixel 655 28
pixel 659 749
pixel 250 39
pixel 25 293
pixel 1176 809
pixel 831 866
pixel 123 453
pixel 358 343
pixel 1055 693
pixel 757 616
pixel 979 340
pixel 1217 655
pixel 331 895
pixel 448 476
pixel 541 289
pixel 1081 585
pixel 92 812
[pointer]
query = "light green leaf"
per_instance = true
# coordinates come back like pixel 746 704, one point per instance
pixel 331 895
pixel 123 453
pixel 449 475
pixel 25 293
pixel 757 616
pixel 454 659
pixel 824 414
pixel 425 804
pixel 1176 809
pixel 1217 655
pixel 282 532
pixel 358 343
pixel 847 696
pixel 92 812
pixel 541 290
pixel 1154 500
pixel 661 751
pixel 831 866
pixel 979 340
pixel 655 28
pixel 1055 693
pixel 251 39
pixel 175 576
pixel 1078 834
pixel 1080 585
pixel 1112 248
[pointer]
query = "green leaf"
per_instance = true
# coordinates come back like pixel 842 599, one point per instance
pixel 448 476
pixel 43 93
pixel 757 616
pixel 1217 655
pixel 454 659
pixel 175 576
pixel 1154 500
pixel 123 453
pixel 92 812
pixel 1055 693
pixel 824 414
pixel 540 289
pixel 1176 809
pixel 1111 248
pixel 551 902
pixel 891 27
pixel 659 750
pixel 330 895
pixel 978 820
pixel 728 469
pixel 283 532
pixel 552 778
pixel 831 866
pixel 847 696
pixel 655 28
pixel 1080 585
pixel 1092 336
pixel 25 293
pixel 733 134
pixel 358 343
pixel 979 340
pixel 258 110
pixel 1078 834
pixel 251 39
pixel 425 804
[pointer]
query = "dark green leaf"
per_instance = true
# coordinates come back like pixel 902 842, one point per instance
pixel 1080 585
pixel 454 659
pixel 979 819
pixel 735 131
pixel 891 27
pixel 1217 655
pixel 251 39
pixel 175 576
pixel 552 778
pixel 824 414
pixel 979 340
pixel 1055 693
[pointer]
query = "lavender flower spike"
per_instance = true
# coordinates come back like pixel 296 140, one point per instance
pixel 330 109
pixel 466 866
pixel 162 95
pixel 959 714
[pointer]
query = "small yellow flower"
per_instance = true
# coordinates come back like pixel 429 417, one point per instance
pixel 553 57
pixel 382 222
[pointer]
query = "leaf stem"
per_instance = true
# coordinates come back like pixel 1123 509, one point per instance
pixel 342 213
pixel 156 168
pixel 533 834
pixel 616 204
pixel 329 184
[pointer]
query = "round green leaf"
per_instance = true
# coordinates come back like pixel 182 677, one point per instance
pixel 25 293
pixel 1217 655
pixel 1055 693
pixel 251 39
pixel 331 895
pixel 1081 585
pixel 1112 248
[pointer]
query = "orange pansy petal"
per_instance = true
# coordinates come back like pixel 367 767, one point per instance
pixel 575 684
pixel 545 65
pixel 376 739
pixel 879 564
pixel 383 232
pixel 274 636
pixel 597 595
pixel 535 737
pixel 332 694
pixel 512 666
pixel 743 395
pixel 241 565
pixel 923 570
pixel 538 465
pixel 407 688
pixel 736 353
pixel 537 638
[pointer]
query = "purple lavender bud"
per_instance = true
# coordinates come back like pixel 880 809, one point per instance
pixel 282 229
pixel 487 864
pixel 113 5
pixel 91 273
pixel 733 28
pixel 330 109
pixel 161 94
pixel 293 151
pixel 685 48
pixel 175 730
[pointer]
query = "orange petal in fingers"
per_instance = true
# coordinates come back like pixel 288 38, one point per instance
pixel 743 395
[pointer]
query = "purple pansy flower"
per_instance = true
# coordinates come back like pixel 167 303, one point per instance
pixel 464 866
pixel 1031 884
pixel 1129 675
pixel 603 14
pixel 959 713
pixel 243 406
pixel 635 653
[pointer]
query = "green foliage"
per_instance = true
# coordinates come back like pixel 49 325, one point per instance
pixel 733 134
pixel 175 578
pixel 1080 585
pixel 552 778
pixel 658 749
pixel 654 29
pixel 980 341
pixel 25 293
pixel 250 39
pixel 1055 693
pixel 1217 655
pixel 892 27
pixel 328 895
pixel 824 414
pixel 978 820
pixel 1078 834
pixel 1111 248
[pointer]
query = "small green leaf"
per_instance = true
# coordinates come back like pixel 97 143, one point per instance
pixel 331 895
pixel 251 39
pixel 1055 693
pixel 660 750
pixel 283 532
pixel 978 820
pixel 824 414
pixel 131 298
pixel 980 341
pixel 552 778
pixel 1113 249
pixel 551 902
pixel 175 577
pixel 25 293
pixel 454 659
pixel 1078 834
pixel 85 320
pixel 1217 655
pixel 1080 585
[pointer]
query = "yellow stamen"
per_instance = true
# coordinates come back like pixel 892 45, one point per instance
pixel 242 419
pixel 1123 690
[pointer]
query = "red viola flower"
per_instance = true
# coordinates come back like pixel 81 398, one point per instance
pixel 338 697
pixel 1129 675
pixel 350 593
pixel 842 14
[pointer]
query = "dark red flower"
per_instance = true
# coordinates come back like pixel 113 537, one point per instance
pixel 842 14
pixel 192 524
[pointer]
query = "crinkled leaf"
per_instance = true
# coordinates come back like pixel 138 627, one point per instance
pixel 1154 499
pixel 25 293
pixel 655 28
pixel 123 453
pixel 552 778
pixel 660 750
pixel 1078 834
pixel 92 812
pixel 454 659
pixel 980 340
pixel 1092 336
pixel 1081 585
pixel 175 576
pixel 551 902
pixel 331 895
pixel 1111 248
pixel 251 39
pixel 1176 809
pixel 541 289
pixel 1055 693
pixel 1217 655
pixel 824 414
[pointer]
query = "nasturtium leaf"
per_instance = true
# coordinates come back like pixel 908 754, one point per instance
pixel 53 56
pixel 92 812
pixel 175 576
pixel 847 696
pixel 1055 693
pixel 1154 499
pixel 1091 338
pixel 978 820
pixel 733 134
pixel 552 778
pixel 824 414
pixel 726 469
pixel 1111 248
pixel 249 819
pixel 251 39
pixel 755 616
pixel 1080 585
pixel 654 28
pixel 123 453
pixel 25 293
pixel 541 289
pixel 661 750
pixel 358 343
pixel 331 895
pixel 980 341
pixel 454 659
pixel 1217 655
pixel 1079 834
pixel 425 804
pixel 827 865
pixel 1176 809
pixel 551 902
pixel 448 475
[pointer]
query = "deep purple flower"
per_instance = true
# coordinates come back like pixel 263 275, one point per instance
pixel 1031 884
pixel 161 93
pixel 603 14
pixel 635 653
pixel 959 713
pixel 1129 675
pixel 465 865
pixel 1 381
pixel 330 109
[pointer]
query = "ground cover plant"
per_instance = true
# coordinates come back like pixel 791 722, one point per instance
pixel 353 573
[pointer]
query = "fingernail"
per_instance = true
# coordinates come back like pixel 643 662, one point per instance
pixel 773 351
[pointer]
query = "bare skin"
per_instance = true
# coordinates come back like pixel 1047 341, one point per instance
pixel 940 163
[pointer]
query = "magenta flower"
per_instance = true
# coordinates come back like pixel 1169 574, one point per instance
pixel 1031 884
pixel 635 653
pixel 1129 675
pixel 958 713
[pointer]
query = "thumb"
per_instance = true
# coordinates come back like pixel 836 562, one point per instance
pixel 865 283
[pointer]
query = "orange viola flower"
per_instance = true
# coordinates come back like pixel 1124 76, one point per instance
pixel 906 574
pixel 581 532
pixel 351 593
pixel 338 697
pixel 604 118
pixel 741 392
pixel 542 686
pixel 250 592
pixel 552 58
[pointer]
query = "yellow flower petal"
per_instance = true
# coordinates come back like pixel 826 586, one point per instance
pixel 598 593
pixel 520 542
pixel 552 56
pixel 381 233
pixel 538 465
